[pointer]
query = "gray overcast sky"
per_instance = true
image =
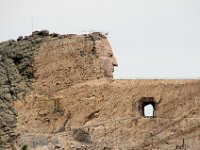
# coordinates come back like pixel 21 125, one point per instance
pixel 150 38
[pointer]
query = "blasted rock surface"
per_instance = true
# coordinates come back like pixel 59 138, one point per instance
pixel 65 62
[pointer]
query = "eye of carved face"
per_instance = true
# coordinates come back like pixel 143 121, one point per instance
pixel 110 55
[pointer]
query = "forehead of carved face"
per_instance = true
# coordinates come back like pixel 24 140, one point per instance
pixel 106 56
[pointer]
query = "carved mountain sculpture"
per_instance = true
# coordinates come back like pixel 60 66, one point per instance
pixel 57 92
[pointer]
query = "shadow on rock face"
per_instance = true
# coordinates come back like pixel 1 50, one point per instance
pixel 80 135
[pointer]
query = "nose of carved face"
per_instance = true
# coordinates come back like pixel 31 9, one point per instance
pixel 115 63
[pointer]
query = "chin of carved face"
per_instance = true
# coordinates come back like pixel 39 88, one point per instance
pixel 108 73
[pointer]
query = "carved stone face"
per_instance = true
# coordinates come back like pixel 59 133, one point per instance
pixel 106 56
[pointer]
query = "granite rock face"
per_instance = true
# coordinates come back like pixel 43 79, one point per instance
pixel 57 92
